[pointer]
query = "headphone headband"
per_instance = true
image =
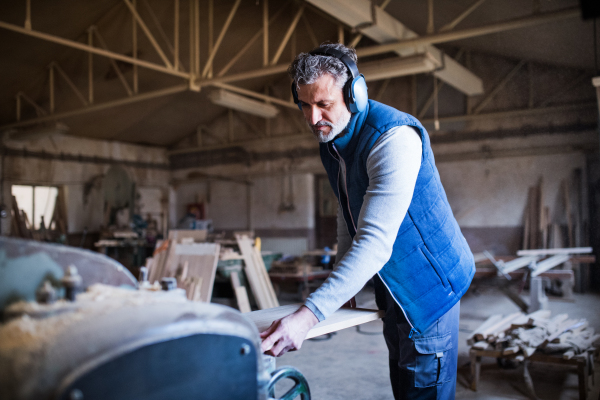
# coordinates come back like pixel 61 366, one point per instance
pixel 331 52
pixel 355 89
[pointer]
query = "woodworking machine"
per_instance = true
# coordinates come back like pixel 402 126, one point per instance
pixel 127 341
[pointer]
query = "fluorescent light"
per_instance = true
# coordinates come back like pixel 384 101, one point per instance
pixel 394 67
pixel 235 101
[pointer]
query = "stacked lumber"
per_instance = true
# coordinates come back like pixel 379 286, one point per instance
pixel 523 334
pixel 193 264
pixel 256 272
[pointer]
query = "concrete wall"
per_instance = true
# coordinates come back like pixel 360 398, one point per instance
pixel 272 206
pixel 40 164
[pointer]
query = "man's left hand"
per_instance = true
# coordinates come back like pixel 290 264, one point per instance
pixel 288 333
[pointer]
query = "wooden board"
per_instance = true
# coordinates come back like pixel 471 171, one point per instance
pixel 341 319
pixel 261 285
pixel 241 294
pixel 159 257
pixel 201 260
pixel 199 235
pixel 547 252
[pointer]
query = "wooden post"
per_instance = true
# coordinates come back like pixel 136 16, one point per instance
pixel 90 67
pixel 51 82
pixel 135 47
pixel 265 33
pixel 176 36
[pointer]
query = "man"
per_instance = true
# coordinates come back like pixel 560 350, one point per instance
pixel 394 225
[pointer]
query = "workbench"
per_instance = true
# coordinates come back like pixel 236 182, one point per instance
pixel 582 363
pixel 303 278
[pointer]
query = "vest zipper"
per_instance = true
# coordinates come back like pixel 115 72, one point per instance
pixel 413 330
pixel 341 160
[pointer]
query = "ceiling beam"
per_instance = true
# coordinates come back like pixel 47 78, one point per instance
pixel 101 106
pixel 249 44
pixel 375 23
pixel 287 35
pixel 516 23
pixel 69 82
pixel 498 87
pixel 513 113
pixel 565 89
pixel 91 49
pixel 149 35
pixel 449 26
pixel 217 44
pixel 113 63
pixel 256 95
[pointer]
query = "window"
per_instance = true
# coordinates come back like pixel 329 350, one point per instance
pixel 36 202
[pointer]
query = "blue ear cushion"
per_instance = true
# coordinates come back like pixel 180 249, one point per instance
pixel 358 95
pixel 295 96
pixel 355 94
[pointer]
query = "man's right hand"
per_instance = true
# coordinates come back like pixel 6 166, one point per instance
pixel 288 333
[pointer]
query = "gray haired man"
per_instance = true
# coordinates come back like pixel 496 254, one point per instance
pixel 394 225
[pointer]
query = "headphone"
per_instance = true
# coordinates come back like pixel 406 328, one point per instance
pixel 355 89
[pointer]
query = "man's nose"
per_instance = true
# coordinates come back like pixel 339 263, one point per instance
pixel 314 115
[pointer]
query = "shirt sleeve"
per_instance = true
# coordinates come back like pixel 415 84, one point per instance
pixel 392 166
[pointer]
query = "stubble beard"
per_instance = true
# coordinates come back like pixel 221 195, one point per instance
pixel 335 130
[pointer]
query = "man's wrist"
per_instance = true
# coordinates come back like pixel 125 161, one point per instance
pixel 308 315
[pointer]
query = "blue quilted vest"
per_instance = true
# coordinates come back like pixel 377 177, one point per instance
pixel 431 266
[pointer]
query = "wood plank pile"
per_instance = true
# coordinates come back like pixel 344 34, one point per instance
pixel 192 263
pixel 523 334
pixel 561 227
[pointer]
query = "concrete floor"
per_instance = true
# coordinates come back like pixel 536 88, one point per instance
pixel 352 365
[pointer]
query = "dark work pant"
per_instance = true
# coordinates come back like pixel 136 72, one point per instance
pixel 423 366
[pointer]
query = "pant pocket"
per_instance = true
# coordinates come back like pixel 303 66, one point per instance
pixel 431 366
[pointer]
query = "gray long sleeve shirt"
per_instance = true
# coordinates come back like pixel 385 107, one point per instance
pixel 392 166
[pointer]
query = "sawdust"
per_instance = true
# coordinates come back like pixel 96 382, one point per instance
pixel 25 339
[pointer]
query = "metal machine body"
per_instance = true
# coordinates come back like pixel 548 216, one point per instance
pixel 127 343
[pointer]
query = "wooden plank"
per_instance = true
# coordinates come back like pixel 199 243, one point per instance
pixel 547 252
pixel 201 259
pixel 549 263
pixel 488 322
pixel 260 264
pixel 341 319
pixel 487 272
pixel 241 294
pixel 159 257
pixel 501 325
pixel 199 235
pixel 256 284
pixel 256 273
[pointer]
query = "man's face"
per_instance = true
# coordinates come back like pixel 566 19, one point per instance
pixel 324 108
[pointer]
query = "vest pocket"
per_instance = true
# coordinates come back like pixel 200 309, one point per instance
pixel 436 266
pixel 431 362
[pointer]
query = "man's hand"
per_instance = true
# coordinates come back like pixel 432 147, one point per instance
pixel 288 333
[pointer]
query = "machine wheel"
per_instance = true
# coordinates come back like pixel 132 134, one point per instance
pixel 300 384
